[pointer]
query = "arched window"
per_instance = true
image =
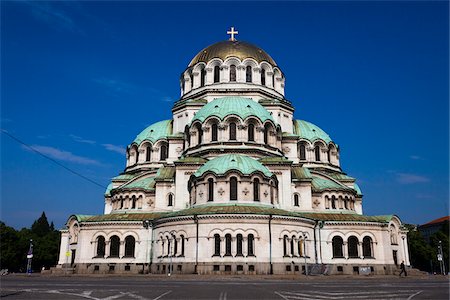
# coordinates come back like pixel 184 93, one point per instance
pixel 329 155
pixel 163 151
pixel 232 73
pixel 239 245
pixel 148 153
pixel 250 245
pixel 256 189
pixel 296 200
pixel 169 248
pixel 137 155
pixel 182 245
pixel 133 202
pixel 266 134
pixel 300 248
pixel 302 152
pixel 285 245
pixel 216 245
pixel 121 203
pixel 202 77
pixel 170 200
pixel 248 74
pixel 333 202
pixel 191 76
pixel 346 203
pixel 263 76
pixel 292 245
pixel 233 188
pixel 367 246
pixel 317 152
pixel 214 132
pixel 175 246
pixel 199 134
pixel 129 246
pixel 272 198
pixel 114 244
pixel 232 131
pixel 101 246
pixel 227 244
pixel 210 189
pixel 352 246
pixel 338 251
pixel 216 74
pixel 251 132
pixel 393 233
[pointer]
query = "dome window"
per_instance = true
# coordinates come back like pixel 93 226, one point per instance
pixel 232 131
pixel 302 152
pixel 248 74
pixel 233 73
pixel 251 132
pixel 202 77
pixel 263 77
pixel 163 152
pixel 210 189
pixel 216 74
pixel 317 152
pixel 296 200
pixel 148 153
pixel 233 188
pixel 170 200
pixel 214 132
pixel 256 189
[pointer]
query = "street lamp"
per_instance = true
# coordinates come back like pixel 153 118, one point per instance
pixel 30 257
pixel 67 254
pixel 170 251
pixel 148 225
pixel 304 253
pixel 440 258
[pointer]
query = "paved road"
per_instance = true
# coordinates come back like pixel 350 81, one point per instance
pixel 222 288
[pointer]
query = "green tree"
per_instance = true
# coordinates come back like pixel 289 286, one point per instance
pixel 420 252
pixel 41 227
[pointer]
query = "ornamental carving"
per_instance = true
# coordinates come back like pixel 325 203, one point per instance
pixel 205 129
pixel 242 126
pixel 221 191
pixel 245 191
pixel 286 149
pixel 260 129
pixel 178 150
pixel 222 126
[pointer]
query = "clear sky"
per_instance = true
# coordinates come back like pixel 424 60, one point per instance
pixel 81 79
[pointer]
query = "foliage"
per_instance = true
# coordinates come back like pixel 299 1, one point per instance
pixel 14 246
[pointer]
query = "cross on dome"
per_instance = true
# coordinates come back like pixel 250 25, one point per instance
pixel 232 33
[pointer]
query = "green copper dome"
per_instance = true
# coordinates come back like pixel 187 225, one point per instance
pixel 222 164
pixel 155 132
pixel 310 131
pixel 239 106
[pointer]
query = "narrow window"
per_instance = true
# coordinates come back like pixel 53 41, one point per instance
pixel 228 244
pixel 114 244
pixel 248 74
pixel 346 203
pixel 239 245
pixel 169 248
pixel 216 74
pixel 192 80
pixel 263 76
pixel 337 244
pixel 216 245
pixel 175 246
pixel 129 246
pixel 121 203
pixel 266 134
pixel 210 189
pixel 251 132
pixel 232 131
pixel 285 245
pixel 292 245
pixel 273 80
pixel 352 246
pixel 317 152
pixel 302 152
pixel 300 248
pixel 329 155
pixel 250 246
pixel 163 152
pixel 367 246
pixel 137 155
pixel 214 132
pixel 232 73
pixel 233 188
pixel 182 245
pixel 170 200
pixel 101 246
pixel 296 202
pixel 333 202
pixel 272 200
pixel 256 189
pixel 202 77
pixel 133 202
pixel 148 153
pixel 200 134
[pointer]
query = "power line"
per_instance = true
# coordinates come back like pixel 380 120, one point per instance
pixel 52 160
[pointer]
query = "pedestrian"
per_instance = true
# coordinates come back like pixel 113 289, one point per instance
pixel 403 269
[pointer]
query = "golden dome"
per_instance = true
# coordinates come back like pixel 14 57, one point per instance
pixel 225 49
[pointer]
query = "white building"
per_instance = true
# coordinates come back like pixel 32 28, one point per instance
pixel 233 184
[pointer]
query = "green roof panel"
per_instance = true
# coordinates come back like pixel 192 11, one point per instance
pixel 239 106
pixel 154 132
pixel 222 164
pixel 310 132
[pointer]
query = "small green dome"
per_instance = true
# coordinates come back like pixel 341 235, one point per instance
pixel 239 106
pixel 222 164
pixel 155 132
pixel 310 131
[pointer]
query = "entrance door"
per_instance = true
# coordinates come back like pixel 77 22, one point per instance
pixel 394 254
pixel 73 258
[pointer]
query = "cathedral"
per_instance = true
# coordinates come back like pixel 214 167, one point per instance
pixel 233 184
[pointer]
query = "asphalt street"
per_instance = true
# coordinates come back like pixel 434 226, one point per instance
pixel 222 288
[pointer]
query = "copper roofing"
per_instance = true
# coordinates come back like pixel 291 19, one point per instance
pixel 212 209
pixel 225 49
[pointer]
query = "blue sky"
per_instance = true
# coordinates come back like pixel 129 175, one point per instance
pixel 81 79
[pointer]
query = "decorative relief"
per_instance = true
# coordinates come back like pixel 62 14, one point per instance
pixel 245 191
pixel 222 126
pixel 242 126
pixel 316 203
pixel 286 149
pixel 200 194
pixel 178 150
pixel 266 193
pixel 221 191
pixel 205 129
pixel 260 129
